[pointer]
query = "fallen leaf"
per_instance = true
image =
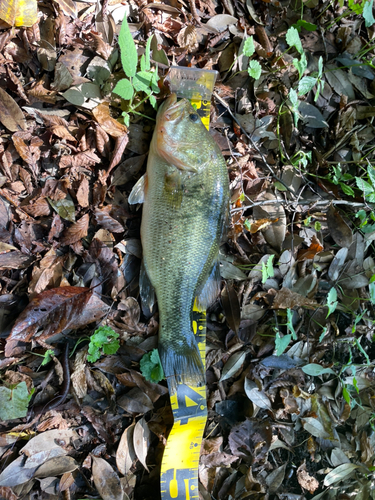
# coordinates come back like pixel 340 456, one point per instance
pixel 106 480
pixel 307 482
pixel 11 115
pixel 275 233
pixel 19 12
pixel 110 125
pixel 313 250
pixel 286 299
pixel 125 455
pixel 141 441
pixel 338 228
pixel 76 232
pixel 231 307
pixel 121 143
pixel 233 364
pixel 55 310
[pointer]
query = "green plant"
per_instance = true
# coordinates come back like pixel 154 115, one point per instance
pixel 103 341
pixel 367 187
pixel 47 356
pixel 332 301
pixel 281 343
pixel 267 269
pixel 340 179
pixel 254 69
pixel 143 81
pixel 151 367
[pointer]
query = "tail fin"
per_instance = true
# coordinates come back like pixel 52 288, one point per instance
pixel 182 366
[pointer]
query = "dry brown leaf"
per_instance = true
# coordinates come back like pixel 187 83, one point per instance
pixel 86 159
pixel 78 376
pixel 106 480
pixel 102 141
pixel 110 125
pixel 120 146
pixel 11 115
pixel 76 232
pixel 108 222
pixel 286 299
pixel 275 233
pixel 125 455
pixel 338 228
pixel 48 274
pixel 83 192
pixel 307 482
pixel 62 132
pixel 38 207
pixel 141 441
pixel 313 250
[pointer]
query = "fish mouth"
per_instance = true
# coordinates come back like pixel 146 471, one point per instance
pixel 172 109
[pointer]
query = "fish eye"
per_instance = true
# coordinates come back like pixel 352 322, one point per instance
pixel 194 117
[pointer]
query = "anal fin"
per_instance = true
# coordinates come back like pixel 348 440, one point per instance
pixel 147 292
pixel 210 290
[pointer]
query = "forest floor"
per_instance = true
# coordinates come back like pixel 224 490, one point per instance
pixel 290 340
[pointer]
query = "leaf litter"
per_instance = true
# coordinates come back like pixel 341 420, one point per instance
pixel 290 356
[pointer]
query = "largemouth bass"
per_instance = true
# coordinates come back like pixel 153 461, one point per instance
pixel 185 193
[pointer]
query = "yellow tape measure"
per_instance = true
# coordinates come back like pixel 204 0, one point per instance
pixel 179 469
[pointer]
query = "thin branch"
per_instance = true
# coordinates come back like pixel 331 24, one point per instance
pixel 302 202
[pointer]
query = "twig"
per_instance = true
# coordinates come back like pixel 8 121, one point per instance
pixel 292 192
pixel 302 202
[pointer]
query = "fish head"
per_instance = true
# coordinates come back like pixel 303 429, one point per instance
pixel 180 135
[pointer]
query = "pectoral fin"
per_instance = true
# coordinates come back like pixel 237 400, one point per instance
pixel 173 189
pixel 138 192
pixel 211 288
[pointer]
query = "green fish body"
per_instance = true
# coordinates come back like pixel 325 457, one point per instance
pixel 185 193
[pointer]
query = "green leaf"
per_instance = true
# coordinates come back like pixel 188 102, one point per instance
pixel 154 81
pixel 293 40
pixel 124 89
pixel 306 84
pixel 267 269
pixel 249 47
pixel 367 14
pixel 64 207
pixel 142 81
pixel 315 370
pixel 254 69
pixel 371 175
pixel 332 301
pixel 300 65
pixel 126 118
pixel 355 7
pixel 301 23
pixel 14 402
pixel 372 293
pixel 281 343
pixel 346 394
pixel 364 186
pixel 289 324
pixel 320 67
pixel 147 54
pixel 128 50
pixel 47 356
pixel 103 341
pixel 153 101
pixel 293 97
pixel 347 189
pixel 151 366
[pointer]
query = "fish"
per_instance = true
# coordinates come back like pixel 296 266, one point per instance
pixel 185 196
